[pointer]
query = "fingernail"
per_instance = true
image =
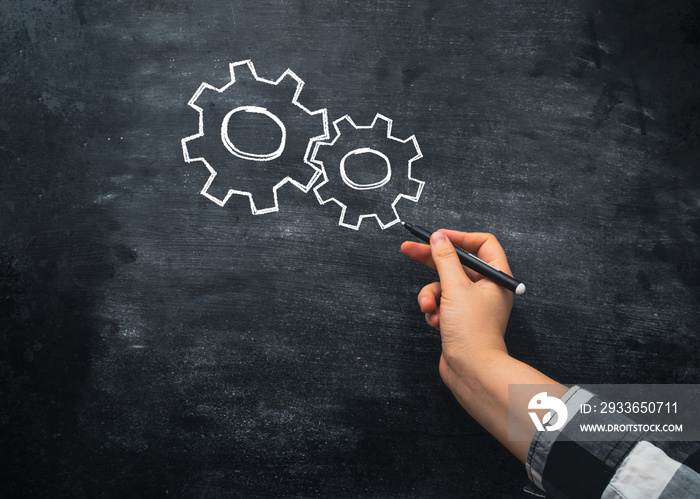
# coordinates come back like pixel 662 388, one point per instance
pixel 438 237
pixel 421 302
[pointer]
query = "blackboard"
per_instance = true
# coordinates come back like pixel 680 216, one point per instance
pixel 154 343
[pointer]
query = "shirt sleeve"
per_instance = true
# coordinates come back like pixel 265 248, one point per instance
pixel 565 465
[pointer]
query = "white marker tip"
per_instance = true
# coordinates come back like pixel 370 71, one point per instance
pixel 403 223
pixel 520 289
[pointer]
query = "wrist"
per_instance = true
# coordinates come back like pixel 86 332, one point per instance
pixel 486 365
pixel 469 375
pixel 473 361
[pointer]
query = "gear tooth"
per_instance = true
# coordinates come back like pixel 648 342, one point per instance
pixel 321 151
pixel 344 125
pixel 336 189
pixel 417 187
pixel 414 150
pixel 205 95
pixel 193 148
pixel 303 174
pixel 316 130
pixel 314 147
pixel 386 214
pixel 376 137
pixel 322 192
pixel 410 188
pixel 407 163
pixel 289 85
pixel 351 216
pixel 381 127
pixel 217 191
pixel 264 198
pixel 241 73
pixel 321 117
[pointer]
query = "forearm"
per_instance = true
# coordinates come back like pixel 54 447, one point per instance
pixel 482 389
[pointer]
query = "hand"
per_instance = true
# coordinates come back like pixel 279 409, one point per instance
pixel 470 311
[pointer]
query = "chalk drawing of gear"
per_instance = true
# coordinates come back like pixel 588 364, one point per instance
pixel 254 137
pixel 366 171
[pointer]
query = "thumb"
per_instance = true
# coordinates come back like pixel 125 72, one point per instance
pixel 446 260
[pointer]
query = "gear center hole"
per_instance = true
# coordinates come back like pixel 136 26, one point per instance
pixel 369 169
pixel 251 132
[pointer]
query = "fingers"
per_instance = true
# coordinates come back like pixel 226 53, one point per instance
pixel 419 252
pixel 454 278
pixel 446 261
pixel 433 320
pixel 485 246
pixel 429 302
pixel 429 297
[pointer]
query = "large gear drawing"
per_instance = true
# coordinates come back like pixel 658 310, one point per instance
pixel 365 200
pixel 257 175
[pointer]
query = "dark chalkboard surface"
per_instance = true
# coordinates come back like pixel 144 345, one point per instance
pixel 154 343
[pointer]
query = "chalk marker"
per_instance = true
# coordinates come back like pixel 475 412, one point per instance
pixel 473 262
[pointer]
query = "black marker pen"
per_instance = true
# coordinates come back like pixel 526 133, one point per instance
pixel 473 262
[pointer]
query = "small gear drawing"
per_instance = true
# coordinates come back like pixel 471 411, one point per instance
pixel 365 200
pixel 230 110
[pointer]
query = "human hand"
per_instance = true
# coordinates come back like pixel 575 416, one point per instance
pixel 470 311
